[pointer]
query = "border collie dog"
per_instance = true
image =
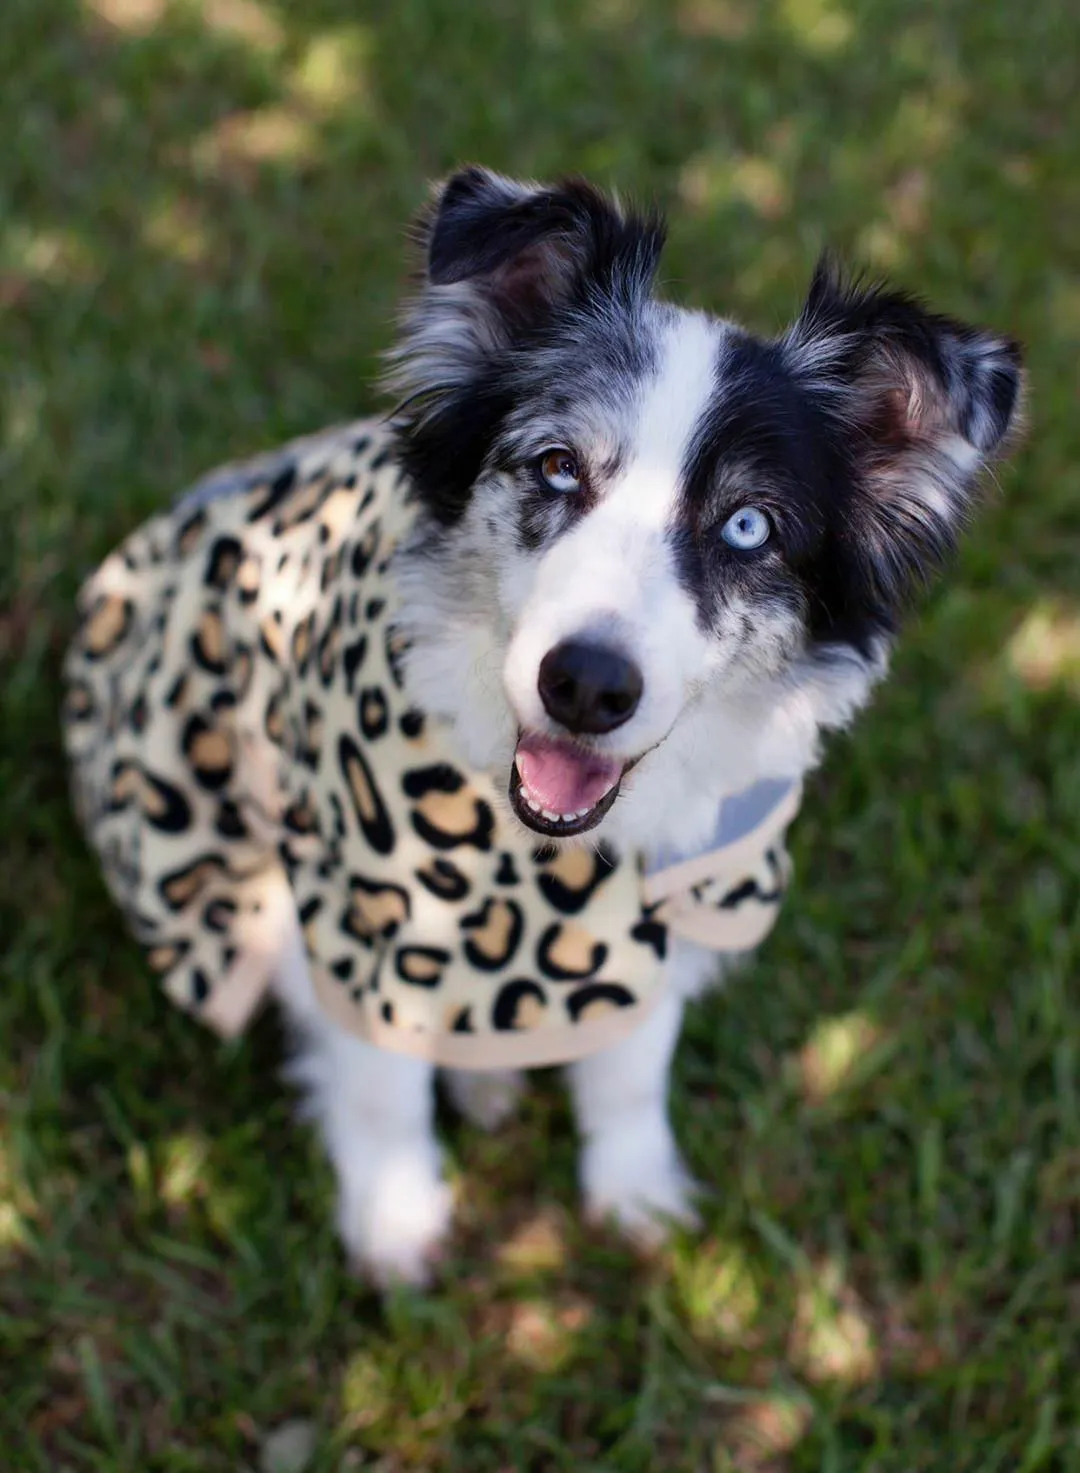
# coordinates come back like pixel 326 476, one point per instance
pixel 684 547
pixel 608 573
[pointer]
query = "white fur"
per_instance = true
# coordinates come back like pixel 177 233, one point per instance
pixel 375 1113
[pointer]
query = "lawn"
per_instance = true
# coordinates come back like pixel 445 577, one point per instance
pixel 201 210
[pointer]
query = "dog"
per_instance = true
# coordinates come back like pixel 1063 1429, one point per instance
pixel 471 733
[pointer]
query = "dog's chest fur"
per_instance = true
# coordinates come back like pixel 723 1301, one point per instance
pixel 237 715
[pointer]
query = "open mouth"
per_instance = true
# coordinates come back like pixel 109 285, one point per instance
pixel 558 789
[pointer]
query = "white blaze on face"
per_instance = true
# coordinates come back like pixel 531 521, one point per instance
pixel 612 578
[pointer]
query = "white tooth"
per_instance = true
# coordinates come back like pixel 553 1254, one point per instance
pixel 534 806
pixel 554 817
pixel 581 813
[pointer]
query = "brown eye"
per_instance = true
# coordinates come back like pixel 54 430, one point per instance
pixel 559 470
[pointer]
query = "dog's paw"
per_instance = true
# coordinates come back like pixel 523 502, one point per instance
pixel 485 1098
pixel 643 1198
pixel 395 1229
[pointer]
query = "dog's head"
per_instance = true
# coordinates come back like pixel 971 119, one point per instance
pixel 654 547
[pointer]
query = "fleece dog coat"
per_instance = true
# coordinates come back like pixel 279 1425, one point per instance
pixel 240 734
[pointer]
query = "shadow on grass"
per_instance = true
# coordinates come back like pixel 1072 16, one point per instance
pixel 200 251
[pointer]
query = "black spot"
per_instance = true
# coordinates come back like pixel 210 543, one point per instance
pixel 476 954
pixel 421 966
pixel 365 549
pixel 477 837
pixel 568 901
pixel 352 659
pixel 504 1012
pixel 208 751
pixel 229 823
pixel 342 969
pixel 751 890
pixel 373 712
pixel 200 985
pixel 463 1022
pixel 374 608
pixel 328 645
pixel 218 916
pixel 275 493
pixel 371 812
pixel 651 933
pixel 411 724
pixel 301 817
pixel 507 873
pixel 187 534
pixel 396 646
pixel 592 992
pixel 440 777
pixel 163 805
pixel 180 886
pixel 222 562
pixel 551 968
pixel 444 879
pixel 302 642
pixel 363 928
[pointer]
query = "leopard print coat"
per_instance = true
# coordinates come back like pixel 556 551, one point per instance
pixel 237 723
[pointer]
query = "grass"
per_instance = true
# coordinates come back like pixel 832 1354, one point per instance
pixel 201 205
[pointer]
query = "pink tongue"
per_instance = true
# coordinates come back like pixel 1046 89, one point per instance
pixel 561 778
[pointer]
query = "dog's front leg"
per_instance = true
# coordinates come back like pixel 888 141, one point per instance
pixel 375 1111
pixel 377 1120
pixel 631 1171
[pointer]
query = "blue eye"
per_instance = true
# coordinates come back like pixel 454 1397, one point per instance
pixel 559 470
pixel 748 528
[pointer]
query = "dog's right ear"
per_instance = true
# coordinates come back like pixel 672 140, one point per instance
pixel 516 252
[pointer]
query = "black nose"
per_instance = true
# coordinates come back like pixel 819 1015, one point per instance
pixel 587 688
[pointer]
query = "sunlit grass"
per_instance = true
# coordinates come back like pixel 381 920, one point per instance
pixel 200 253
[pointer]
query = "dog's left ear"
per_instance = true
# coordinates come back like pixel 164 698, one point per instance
pixel 922 403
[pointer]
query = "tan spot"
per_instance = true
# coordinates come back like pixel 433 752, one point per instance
pixel 212 637
pixel 574 867
pixel 150 799
pixel 572 950
pixel 161 958
pixel 210 751
pixel 191 535
pixel 242 668
pixel 598 1008
pixel 451 813
pixel 273 638
pixel 301 643
pixel 337 510
pixel 184 887
pixel 249 574
pixel 227 565
pixel 530 1013
pixel 275 721
pixel 300 503
pixel 371 914
pixel 492 940
pixel 126 783
pixel 107 625
pixel 363 797
pixel 313 731
pixel 328 652
pixel 417 967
